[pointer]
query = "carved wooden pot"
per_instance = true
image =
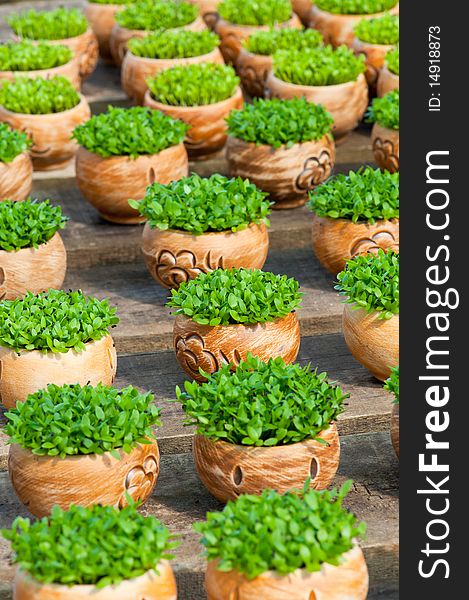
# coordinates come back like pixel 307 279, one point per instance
pixel 228 470
pixel 136 70
pixel 120 37
pixel 85 48
pixel 253 70
pixel 173 256
pixel 52 146
pixel 152 585
pixel 16 178
pixel 32 269
pixel 387 82
pixel 209 347
pixel 109 183
pixel 40 482
pixel 25 372
pixel 70 71
pixel 385 143
pixel 335 241
pixel 101 18
pixel 373 342
pixel 208 129
pixel 232 35
pixel 395 428
pixel 339 29
pixel 302 8
pixel 346 102
pixel 375 55
pixel 347 581
pixel 287 174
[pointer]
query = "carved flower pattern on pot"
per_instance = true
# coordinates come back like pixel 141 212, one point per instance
pixel 383 239
pixel 315 170
pixel 192 355
pixel 253 80
pixel 230 46
pixel 171 269
pixel 386 155
pixel 140 480
pixel 89 58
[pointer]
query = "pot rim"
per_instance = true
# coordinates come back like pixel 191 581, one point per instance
pixel 61 40
pixel 253 146
pixel 155 61
pixel 390 132
pixel 191 109
pixel 254 28
pixel 30 248
pixel 349 307
pixel 118 27
pixel 24 154
pixel 337 87
pixel 125 157
pixel 248 54
pixel 343 220
pixel 28 73
pixel 354 16
pixel 274 321
pixel 83 102
pixel 24 352
pixel 224 232
pixel 363 44
pixel 386 71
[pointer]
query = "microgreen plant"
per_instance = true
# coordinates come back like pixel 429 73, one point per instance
pixel 392 383
pixel 71 419
pixel 152 15
pixel 318 66
pixel 385 110
pixel 174 44
pixel 381 30
pixel 253 12
pixel 283 533
pixel 279 122
pixel 28 224
pixel 198 204
pixel 58 24
pixel 262 404
pixel 225 297
pixel 194 85
pixel 54 321
pixel 12 143
pixel 392 61
pixel 364 195
pixel 268 42
pixel 371 282
pixel 97 545
pixel 26 56
pixel 129 132
pixel 355 7
pixel 38 96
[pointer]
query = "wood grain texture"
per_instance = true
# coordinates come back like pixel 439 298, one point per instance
pixel 207 126
pixel 339 29
pixel 302 8
pixel 335 241
pixel 228 470
pixel 209 347
pixel 287 174
pixel 373 342
pixel 173 256
pixel 70 71
pixel 23 373
pixel 346 102
pixel 253 70
pixel 231 35
pixel 347 581
pixel 152 585
pixel 40 482
pixel 120 36
pixel 395 428
pixel 387 82
pixel 385 143
pixel 109 183
pixel 52 145
pixel 101 18
pixel 136 70
pixel 16 178
pixel 375 55
pixel 33 269
pixel 85 48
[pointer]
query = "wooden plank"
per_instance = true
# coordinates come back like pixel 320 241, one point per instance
pixel 367 410
pixel 179 500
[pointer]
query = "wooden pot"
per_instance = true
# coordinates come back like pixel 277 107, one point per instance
pixel 70 71
pixel 387 82
pixel 101 18
pixel 385 143
pixel 120 37
pixel 339 29
pixel 16 178
pixel 109 183
pixel 302 8
pixel 346 102
pixel 228 470
pixel 32 269
pixel 158 584
pixel 52 146
pixel 209 347
pixel 395 428
pixel 375 55
pixel 85 48
pixel 173 256
pixel 253 70
pixel 373 342
pixel 27 371
pixel 231 35
pixel 347 581
pixel 137 70
pixel 335 241
pixel 287 174
pixel 208 129
pixel 40 482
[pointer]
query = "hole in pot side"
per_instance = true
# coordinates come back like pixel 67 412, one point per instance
pixel 237 475
pixel 314 471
